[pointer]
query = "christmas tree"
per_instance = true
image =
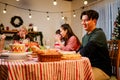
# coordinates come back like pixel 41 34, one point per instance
pixel 117 26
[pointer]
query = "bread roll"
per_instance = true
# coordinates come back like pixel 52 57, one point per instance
pixel 36 49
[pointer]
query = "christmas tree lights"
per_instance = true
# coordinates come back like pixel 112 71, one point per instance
pixel 116 33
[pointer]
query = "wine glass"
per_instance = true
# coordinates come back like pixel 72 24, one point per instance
pixel 47 44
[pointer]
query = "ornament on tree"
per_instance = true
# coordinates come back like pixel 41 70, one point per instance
pixel 117 26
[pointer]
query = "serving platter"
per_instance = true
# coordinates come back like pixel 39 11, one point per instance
pixel 67 52
pixel 16 56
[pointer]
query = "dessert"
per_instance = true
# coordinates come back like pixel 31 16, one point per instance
pixel 18 48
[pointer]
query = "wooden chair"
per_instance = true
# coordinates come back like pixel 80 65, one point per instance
pixel 114 53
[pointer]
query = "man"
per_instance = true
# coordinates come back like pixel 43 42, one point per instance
pixel 94 46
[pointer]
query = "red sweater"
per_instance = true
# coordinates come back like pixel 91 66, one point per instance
pixel 72 44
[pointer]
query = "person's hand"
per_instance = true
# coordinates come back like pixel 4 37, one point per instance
pixel 58 37
pixel 25 41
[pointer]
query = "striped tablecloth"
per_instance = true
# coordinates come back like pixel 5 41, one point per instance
pixel 59 70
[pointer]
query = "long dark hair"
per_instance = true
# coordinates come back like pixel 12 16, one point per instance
pixel 69 32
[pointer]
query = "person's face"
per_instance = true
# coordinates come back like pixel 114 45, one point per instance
pixel 87 24
pixel 63 32
pixel 22 32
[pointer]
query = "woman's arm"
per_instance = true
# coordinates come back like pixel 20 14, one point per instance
pixel 71 45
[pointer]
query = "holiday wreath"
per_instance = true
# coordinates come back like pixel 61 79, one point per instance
pixel 13 21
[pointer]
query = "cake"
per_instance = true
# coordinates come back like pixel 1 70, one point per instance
pixel 18 48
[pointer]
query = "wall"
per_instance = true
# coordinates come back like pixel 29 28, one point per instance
pixel 76 23
pixel 48 28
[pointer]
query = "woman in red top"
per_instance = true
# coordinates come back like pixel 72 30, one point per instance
pixel 71 42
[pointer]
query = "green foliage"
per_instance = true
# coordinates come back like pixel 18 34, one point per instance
pixel 116 33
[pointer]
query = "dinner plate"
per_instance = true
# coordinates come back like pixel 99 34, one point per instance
pixel 16 56
pixel 67 52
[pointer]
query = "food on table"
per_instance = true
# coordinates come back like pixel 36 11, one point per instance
pixel 37 50
pixel 30 44
pixel 50 55
pixel 70 56
pixel 18 48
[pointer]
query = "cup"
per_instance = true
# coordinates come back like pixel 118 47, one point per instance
pixel 57 45
pixel 47 44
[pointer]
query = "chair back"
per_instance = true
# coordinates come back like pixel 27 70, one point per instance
pixel 114 53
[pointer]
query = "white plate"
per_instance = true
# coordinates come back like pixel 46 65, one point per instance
pixel 67 52
pixel 16 56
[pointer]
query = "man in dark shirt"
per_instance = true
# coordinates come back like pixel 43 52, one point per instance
pixel 94 46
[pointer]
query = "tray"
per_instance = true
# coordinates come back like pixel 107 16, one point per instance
pixel 16 56
pixel 49 57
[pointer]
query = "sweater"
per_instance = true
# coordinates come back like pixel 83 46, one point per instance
pixel 94 46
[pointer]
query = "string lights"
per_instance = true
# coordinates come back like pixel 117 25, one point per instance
pixel 30 10
pixel 74 15
pixel 30 15
pixel 85 2
pixel 5 10
pixel 62 15
pixel 54 2
pixel 48 18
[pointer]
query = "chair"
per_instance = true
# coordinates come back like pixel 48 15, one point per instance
pixel 114 53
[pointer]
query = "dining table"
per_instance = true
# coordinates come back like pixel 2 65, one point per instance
pixel 33 69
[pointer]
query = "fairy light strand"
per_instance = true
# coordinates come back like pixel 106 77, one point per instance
pixel 37 10
pixel 5 9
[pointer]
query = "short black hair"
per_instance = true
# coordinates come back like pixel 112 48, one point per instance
pixel 92 14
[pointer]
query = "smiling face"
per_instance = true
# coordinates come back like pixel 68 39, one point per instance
pixel 22 32
pixel 88 25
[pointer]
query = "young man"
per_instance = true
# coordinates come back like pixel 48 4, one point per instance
pixel 94 46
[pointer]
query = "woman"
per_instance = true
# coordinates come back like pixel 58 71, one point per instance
pixel 22 35
pixel 71 42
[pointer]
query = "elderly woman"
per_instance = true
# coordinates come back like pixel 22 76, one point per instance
pixel 2 40
pixel 22 35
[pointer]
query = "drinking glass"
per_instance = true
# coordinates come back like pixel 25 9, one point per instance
pixel 47 44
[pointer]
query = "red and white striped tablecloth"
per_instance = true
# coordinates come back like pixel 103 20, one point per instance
pixel 59 70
